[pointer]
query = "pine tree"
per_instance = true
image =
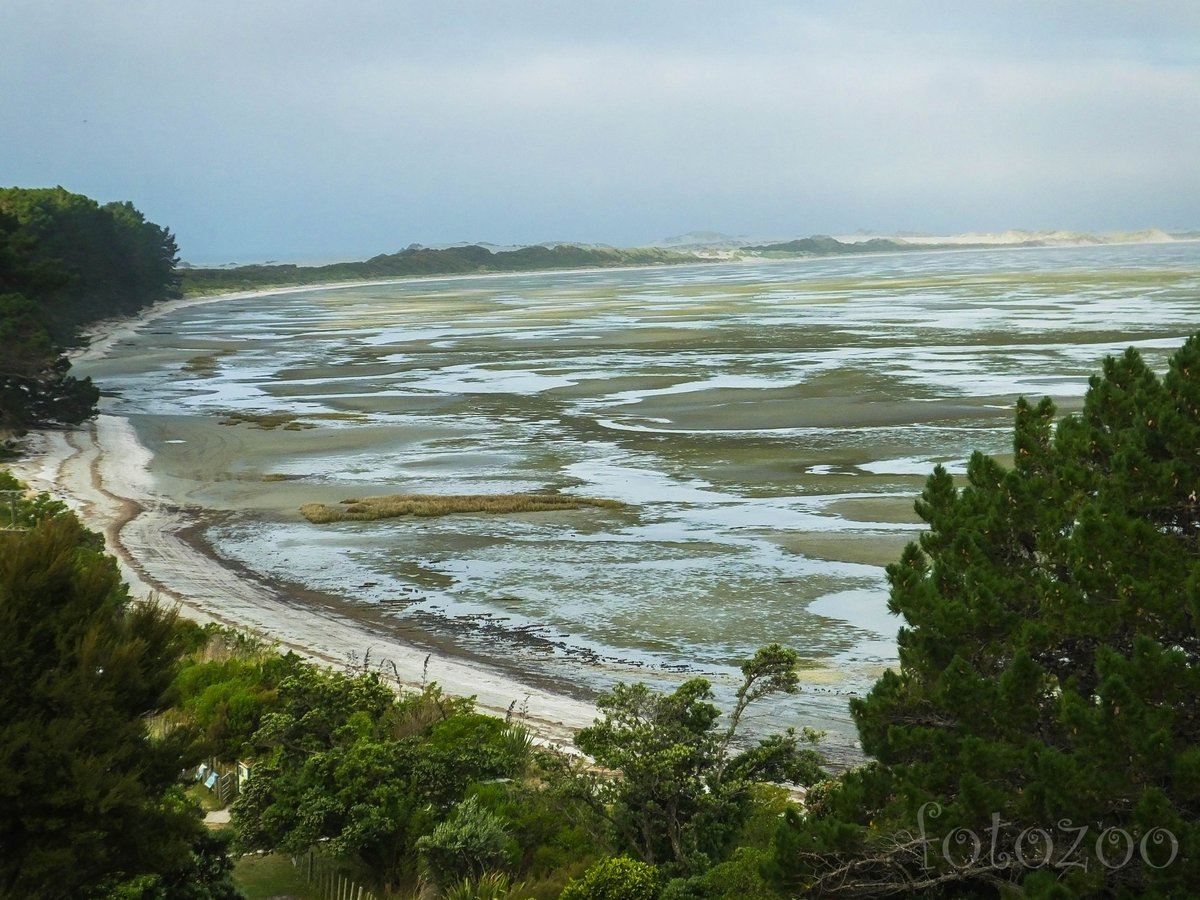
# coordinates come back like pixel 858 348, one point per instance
pixel 1049 668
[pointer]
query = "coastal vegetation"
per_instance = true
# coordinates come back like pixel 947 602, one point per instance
pixel 823 245
pixel 369 509
pixel 91 808
pixel 410 787
pixel 685 791
pixel 65 262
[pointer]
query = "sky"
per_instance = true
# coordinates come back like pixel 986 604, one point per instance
pixel 307 130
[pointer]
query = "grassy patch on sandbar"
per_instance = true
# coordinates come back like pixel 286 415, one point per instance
pixel 267 421
pixel 206 364
pixel 288 421
pixel 392 506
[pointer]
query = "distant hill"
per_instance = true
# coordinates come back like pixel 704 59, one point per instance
pixel 693 247
pixel 824 245
pixel 423 261
pixel 704 240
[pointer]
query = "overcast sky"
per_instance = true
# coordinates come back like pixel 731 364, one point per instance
pixel 307 129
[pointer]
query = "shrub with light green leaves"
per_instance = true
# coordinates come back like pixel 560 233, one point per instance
pixel 615 878
pixel 467 845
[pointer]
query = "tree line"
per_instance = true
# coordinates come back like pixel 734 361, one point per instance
pixel 67 261
pixel 416 261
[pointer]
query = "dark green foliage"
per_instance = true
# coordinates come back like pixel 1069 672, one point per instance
pixel 87 804
pixel 48 396
pixel 738 878
pixel 66 261
pixel 365 772
pixel 30 509
pixel 34 386
pixel 106 260
pixel 679 795
pixel 616 878
pixel 208 876
pixel 552 828
pixel 225 693
pixel 1050 658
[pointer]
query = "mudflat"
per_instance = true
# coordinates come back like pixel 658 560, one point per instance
pixel 767 428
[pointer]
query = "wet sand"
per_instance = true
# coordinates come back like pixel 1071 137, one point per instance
pixel 100 471
pixel 792 438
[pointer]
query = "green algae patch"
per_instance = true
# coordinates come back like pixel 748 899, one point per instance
pixel 393 506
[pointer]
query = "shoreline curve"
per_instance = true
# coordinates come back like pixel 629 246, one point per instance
pixel 100 470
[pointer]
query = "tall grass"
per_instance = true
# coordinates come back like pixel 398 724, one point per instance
pixel 425 505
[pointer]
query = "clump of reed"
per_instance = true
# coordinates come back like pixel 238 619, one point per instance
pixel 288 421
pixel 206 364
pixel 267 421
pixel 392 506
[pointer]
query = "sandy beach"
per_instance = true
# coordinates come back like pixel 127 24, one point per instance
pixel 100 471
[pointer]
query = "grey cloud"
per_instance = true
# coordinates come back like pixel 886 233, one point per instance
pixel 308 128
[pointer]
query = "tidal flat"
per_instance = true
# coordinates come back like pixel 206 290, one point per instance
pixel 767 426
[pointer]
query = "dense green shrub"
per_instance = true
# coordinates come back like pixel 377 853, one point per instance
pixel 349 764
pixel 681 794
pixel 738 878
pixel 226 693
pixel 90 804
pixel 553 829
pixel 471 842
pixel 616 878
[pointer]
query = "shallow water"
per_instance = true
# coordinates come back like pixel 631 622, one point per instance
pixel 768 424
